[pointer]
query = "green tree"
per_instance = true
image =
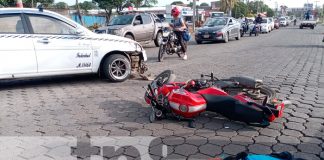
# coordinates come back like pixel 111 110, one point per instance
pixel 86 5
pixel 109 5
pixel 270 12
pixel 26 3
pixel 139 3
pixel 204 4
pixel 240 9
pixel 227 6
pixel 8 3
pixel 177 3
pixel 32 3
pixel 61 5
pixel 190 4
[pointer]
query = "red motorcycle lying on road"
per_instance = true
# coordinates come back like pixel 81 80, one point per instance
pixel 237 98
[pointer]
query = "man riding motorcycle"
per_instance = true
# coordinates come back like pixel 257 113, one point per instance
pixel 258 20
pixel 179 26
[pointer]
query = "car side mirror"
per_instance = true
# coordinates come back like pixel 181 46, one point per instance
pixel 79 32
pixel 137 22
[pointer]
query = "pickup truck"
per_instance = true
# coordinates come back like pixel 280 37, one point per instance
pixel 141 27
pixel 307 23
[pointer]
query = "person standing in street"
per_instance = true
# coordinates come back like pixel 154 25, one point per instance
pixel 179 27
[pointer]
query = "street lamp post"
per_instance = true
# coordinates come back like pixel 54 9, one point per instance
pixel 194 15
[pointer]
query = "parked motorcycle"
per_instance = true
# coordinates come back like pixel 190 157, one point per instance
pixel 244 28
pixel 255 29
pixel 169 45
pixel 237 98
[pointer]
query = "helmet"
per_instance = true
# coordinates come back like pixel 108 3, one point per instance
pixel 175 12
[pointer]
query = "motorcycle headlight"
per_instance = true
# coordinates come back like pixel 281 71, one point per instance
pixel 165 33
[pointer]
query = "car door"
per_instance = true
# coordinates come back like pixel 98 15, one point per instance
pixel 148 27
pixel 16 47
pixel 231 27
pixel 236 27
pixel 59 49
pixel 138 29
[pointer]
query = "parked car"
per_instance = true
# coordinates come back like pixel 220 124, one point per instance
pixel 37 43
pixel 276 24
pixel 272 23
pixel 265 25
pixel 218 29
pixel 283 21
pixel 288 20
pixel 141 27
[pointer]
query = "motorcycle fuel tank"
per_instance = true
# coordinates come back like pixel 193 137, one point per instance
pixel 186 104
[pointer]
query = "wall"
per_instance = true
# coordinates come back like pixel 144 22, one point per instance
pixel 89 20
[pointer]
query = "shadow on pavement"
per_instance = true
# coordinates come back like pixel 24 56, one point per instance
pixel 130 111
pixel 45 81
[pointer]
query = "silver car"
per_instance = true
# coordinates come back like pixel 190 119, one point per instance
pixel 218 29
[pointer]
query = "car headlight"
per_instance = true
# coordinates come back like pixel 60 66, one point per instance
pixel 138 47
pixel 116 32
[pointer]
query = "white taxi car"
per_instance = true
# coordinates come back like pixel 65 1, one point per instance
pixel 265 25
pixel 36 43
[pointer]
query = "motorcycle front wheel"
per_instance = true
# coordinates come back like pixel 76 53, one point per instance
pixel 166 76
pixel 161 53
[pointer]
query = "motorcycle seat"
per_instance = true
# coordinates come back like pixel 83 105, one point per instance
pixel 248 82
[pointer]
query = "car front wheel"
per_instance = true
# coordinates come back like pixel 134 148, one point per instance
pixel 116 68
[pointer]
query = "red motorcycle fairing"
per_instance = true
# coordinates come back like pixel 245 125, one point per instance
pixel 186 104
pixel 212 91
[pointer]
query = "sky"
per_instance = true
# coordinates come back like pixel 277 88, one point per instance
pixel 271 3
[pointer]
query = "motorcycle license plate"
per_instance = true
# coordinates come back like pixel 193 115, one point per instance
pixel 206 36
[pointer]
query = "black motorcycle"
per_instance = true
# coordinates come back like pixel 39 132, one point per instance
pixel 170 44
pixel 244 28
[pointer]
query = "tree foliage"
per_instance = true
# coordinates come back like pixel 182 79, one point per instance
pixel 61 5
pixel 240 9
pixel 228 5
pixel 86 5
pixel 256 7
pixel 119 5
pixel 26 3
pixel 204 4
pixel 177 3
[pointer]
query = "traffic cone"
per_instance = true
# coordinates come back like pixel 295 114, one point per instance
pixel 19 4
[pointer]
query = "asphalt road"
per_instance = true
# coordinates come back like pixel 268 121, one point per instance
pixel 80 116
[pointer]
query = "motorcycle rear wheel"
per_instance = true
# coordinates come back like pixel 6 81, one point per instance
pixel 264 91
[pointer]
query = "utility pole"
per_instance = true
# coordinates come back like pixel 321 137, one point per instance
pixel 194 15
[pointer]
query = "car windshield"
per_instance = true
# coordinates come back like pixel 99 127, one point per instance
pixel 282 19
pixel 121 20
pixel 216 22
pixel 217 14
pixel 264 21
